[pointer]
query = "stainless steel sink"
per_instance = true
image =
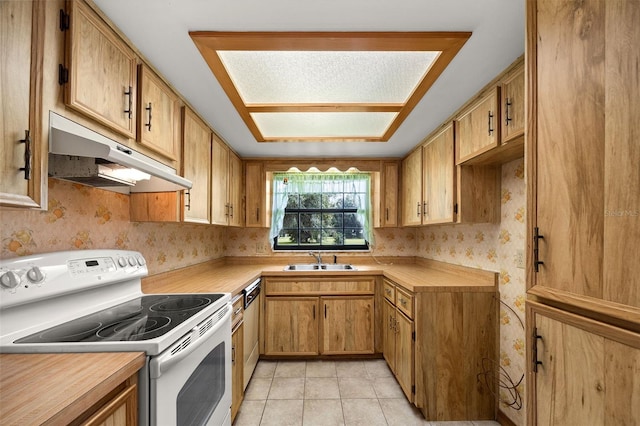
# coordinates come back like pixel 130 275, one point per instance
pixel 320 267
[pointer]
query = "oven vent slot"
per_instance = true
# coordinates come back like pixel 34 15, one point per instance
pixel 206 326
pixel 181 346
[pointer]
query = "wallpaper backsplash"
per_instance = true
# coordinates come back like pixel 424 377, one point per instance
pixel 80 217
pixel 495 247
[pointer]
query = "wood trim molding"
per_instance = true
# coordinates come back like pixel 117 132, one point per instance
pixel 504 420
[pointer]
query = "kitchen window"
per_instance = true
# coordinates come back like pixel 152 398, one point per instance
pixel 321 211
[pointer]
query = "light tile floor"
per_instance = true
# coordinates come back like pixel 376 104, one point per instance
pixel 328 393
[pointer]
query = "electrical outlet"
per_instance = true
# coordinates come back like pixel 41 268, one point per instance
pixel 261 248
pixel 520 259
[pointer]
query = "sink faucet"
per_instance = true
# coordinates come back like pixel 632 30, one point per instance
pixel 317 256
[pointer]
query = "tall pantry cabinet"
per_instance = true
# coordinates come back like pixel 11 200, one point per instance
pixel 584 210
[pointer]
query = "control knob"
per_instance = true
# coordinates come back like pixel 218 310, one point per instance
pixel 35 275
pixel 9 280
pixel 132 261
pixel 122 262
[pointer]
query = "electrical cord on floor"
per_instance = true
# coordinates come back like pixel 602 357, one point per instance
pixel 493 372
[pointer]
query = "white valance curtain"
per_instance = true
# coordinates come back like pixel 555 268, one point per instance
pixel 357 184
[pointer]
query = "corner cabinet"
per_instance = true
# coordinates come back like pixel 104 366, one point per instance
pixel 319 316
pixel 23 179
pixel 227 184
pixel 389 196
pixel 101 71
pixel 256 195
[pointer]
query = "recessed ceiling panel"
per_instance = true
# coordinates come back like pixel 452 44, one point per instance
pixel 330 125
pixel 285 77
pixel 326 86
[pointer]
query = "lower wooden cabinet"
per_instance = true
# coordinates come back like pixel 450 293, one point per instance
pixel 121 410
pixel 581 371
pixel 398 346
pixel 347 325
pixel 319 316
pixel 291 326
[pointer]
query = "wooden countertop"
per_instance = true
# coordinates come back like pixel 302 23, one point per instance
pixel 57 388
pixel 232 275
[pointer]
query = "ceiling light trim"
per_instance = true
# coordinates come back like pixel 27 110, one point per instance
pixel 447 43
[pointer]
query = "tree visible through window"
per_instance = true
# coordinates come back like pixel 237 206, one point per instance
pixel 321 211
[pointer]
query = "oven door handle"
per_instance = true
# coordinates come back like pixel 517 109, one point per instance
pixel 168 358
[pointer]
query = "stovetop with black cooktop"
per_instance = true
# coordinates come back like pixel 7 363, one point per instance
pixel 144 318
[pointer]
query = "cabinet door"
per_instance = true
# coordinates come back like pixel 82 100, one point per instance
pixel 389 213
pixel 21 56
pixel 236 191
pixel 512 94
pixel 237 369
pixel 347 325
pixel 439 186
pixel 291 325
pixel 256 193
pixel 156 114
pixel 219 183
pixel 196 166
pixel 478 127
pixel 586 179
pixel 389 334
pixel 122 410
pixel 412 189
pixel 102 72
pixel 404 354
pixel 588 372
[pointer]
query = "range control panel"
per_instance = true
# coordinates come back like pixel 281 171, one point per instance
pixel 29 278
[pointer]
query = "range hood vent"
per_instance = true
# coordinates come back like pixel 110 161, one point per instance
pixel 81 155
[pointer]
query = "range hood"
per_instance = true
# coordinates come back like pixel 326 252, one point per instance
pixel 81 155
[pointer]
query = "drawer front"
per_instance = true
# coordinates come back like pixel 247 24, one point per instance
pixel 319 287
pixel 404 302
pixel 238 310
pixel 389 290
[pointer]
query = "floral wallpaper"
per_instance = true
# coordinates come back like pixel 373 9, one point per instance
pixel 81 217
pixel 495 247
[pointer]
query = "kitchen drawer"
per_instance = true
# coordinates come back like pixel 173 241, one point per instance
pixel 389 290
pixel 238 310
pixel 319 286
pixel 404 302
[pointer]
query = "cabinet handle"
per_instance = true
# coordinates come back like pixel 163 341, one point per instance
pixel 226 208
pixel 129 93
pixel 425 207
pixel 536 238
pixel 403 302
pixel 535 361
pixel 233 355
pixel 257 214
pixel 149 123
pixel 490 124
pixel 27 155
pixel 314 311
pixel 325 310
pixel 188 205
pixel 507 118
pixel 237 311
pixel 418 210
pixel 386 290
pixel 231 210
pixel 387 214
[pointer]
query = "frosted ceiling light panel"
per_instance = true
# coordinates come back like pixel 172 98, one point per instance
pixel 271 77
pixel 321 125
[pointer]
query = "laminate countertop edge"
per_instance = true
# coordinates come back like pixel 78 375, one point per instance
pixel 232 277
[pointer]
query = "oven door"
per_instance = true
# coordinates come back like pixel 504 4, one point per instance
pixel 190 382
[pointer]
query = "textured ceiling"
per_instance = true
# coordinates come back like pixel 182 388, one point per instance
pixel 160 30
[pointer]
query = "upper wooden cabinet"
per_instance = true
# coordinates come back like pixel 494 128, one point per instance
pixel 227 184
pixel 412 189
pixel 439 178
pixel 389 194
pixel 157 106
pixel 102 72
pixel 196 166
pixel 583 153
pixel 478 127
pixel 256 195
pixel 23 177
pixel 512 95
